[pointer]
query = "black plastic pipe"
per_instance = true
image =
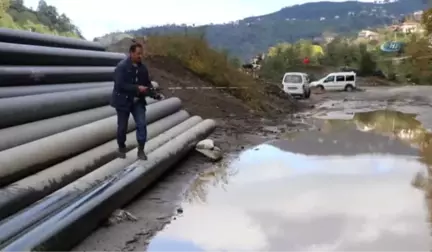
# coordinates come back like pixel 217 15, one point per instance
pixel 75 222
pixel 41 75
pixel 31 55
pixel 34 38
pixel 24 109
pixel 13 198
pixel 25 219
pixel 6 92
pixel 21 161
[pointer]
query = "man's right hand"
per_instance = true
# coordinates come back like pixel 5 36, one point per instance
pixel 142 89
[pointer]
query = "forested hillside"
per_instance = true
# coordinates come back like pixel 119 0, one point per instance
pixel 244 38
pixel 409 64
pixel 45 19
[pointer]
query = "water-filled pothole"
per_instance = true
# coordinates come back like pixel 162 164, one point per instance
pixel 346 187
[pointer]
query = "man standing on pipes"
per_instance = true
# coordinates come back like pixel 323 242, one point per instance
pixel 131 86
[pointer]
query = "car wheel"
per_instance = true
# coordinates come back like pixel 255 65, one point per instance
pixel 320 87
pixel 302 96
pixel 349 88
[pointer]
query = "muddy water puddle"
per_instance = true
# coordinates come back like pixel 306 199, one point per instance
pixel 347 187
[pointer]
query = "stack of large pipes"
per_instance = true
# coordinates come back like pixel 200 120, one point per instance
pixel 59 176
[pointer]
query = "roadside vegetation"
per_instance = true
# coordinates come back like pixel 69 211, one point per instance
pixel 45 19
pixel 410 65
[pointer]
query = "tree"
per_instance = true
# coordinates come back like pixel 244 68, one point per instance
pixel 42 6
pixel 367 65
pixel 4 6
pixel 235 62
pixel 427 21
pixel 5 19
pixel 18 5
pixel 15 15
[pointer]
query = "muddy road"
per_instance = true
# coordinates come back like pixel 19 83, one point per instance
pixel 348 175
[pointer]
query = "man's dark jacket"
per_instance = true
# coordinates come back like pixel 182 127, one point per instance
pixel 127 77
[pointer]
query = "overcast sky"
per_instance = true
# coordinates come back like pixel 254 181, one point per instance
pixel 98 17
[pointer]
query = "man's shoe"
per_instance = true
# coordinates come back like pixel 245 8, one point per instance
pixel 141 155
pixel 121 153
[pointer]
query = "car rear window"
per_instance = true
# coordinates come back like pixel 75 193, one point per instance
pixel 291 78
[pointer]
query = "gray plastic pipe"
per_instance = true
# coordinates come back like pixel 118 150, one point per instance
pixel 75 222
pixel 19 110
pixel 26 159
pixel 44 75
pixel 33 55
pixel 34 187
pixel 34 38
pixel 25 133
pixel 6 92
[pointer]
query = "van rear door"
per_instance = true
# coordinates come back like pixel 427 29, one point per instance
pixel 293 83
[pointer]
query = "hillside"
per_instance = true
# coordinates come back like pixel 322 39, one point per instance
pixel 45 19
pixel 244 38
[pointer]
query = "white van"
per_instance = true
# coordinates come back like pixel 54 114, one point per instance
pixel 296 84
pixel 337 81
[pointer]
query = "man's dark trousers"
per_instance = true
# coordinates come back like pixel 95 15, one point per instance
pixel 139 114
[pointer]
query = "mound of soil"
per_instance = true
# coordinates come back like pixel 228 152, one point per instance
pixel 201 98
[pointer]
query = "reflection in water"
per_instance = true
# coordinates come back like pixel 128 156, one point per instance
pixel 405 127
pixel 342 190
pixel 399 125
pixel 216 177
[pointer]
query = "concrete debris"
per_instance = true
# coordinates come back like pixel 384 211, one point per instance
pixel 208 149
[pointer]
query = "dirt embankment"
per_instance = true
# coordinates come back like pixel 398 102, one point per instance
pixel 216 103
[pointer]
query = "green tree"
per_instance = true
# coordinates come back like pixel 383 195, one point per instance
pixel 14 15
pixel 235 62
pixel 367 65
pixel 427 21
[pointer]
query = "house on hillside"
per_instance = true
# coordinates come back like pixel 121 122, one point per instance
pixel 367 34
pixel 410 27
pixel 418 15
pixel 328 37
pixel 407 27
pixel 318 40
